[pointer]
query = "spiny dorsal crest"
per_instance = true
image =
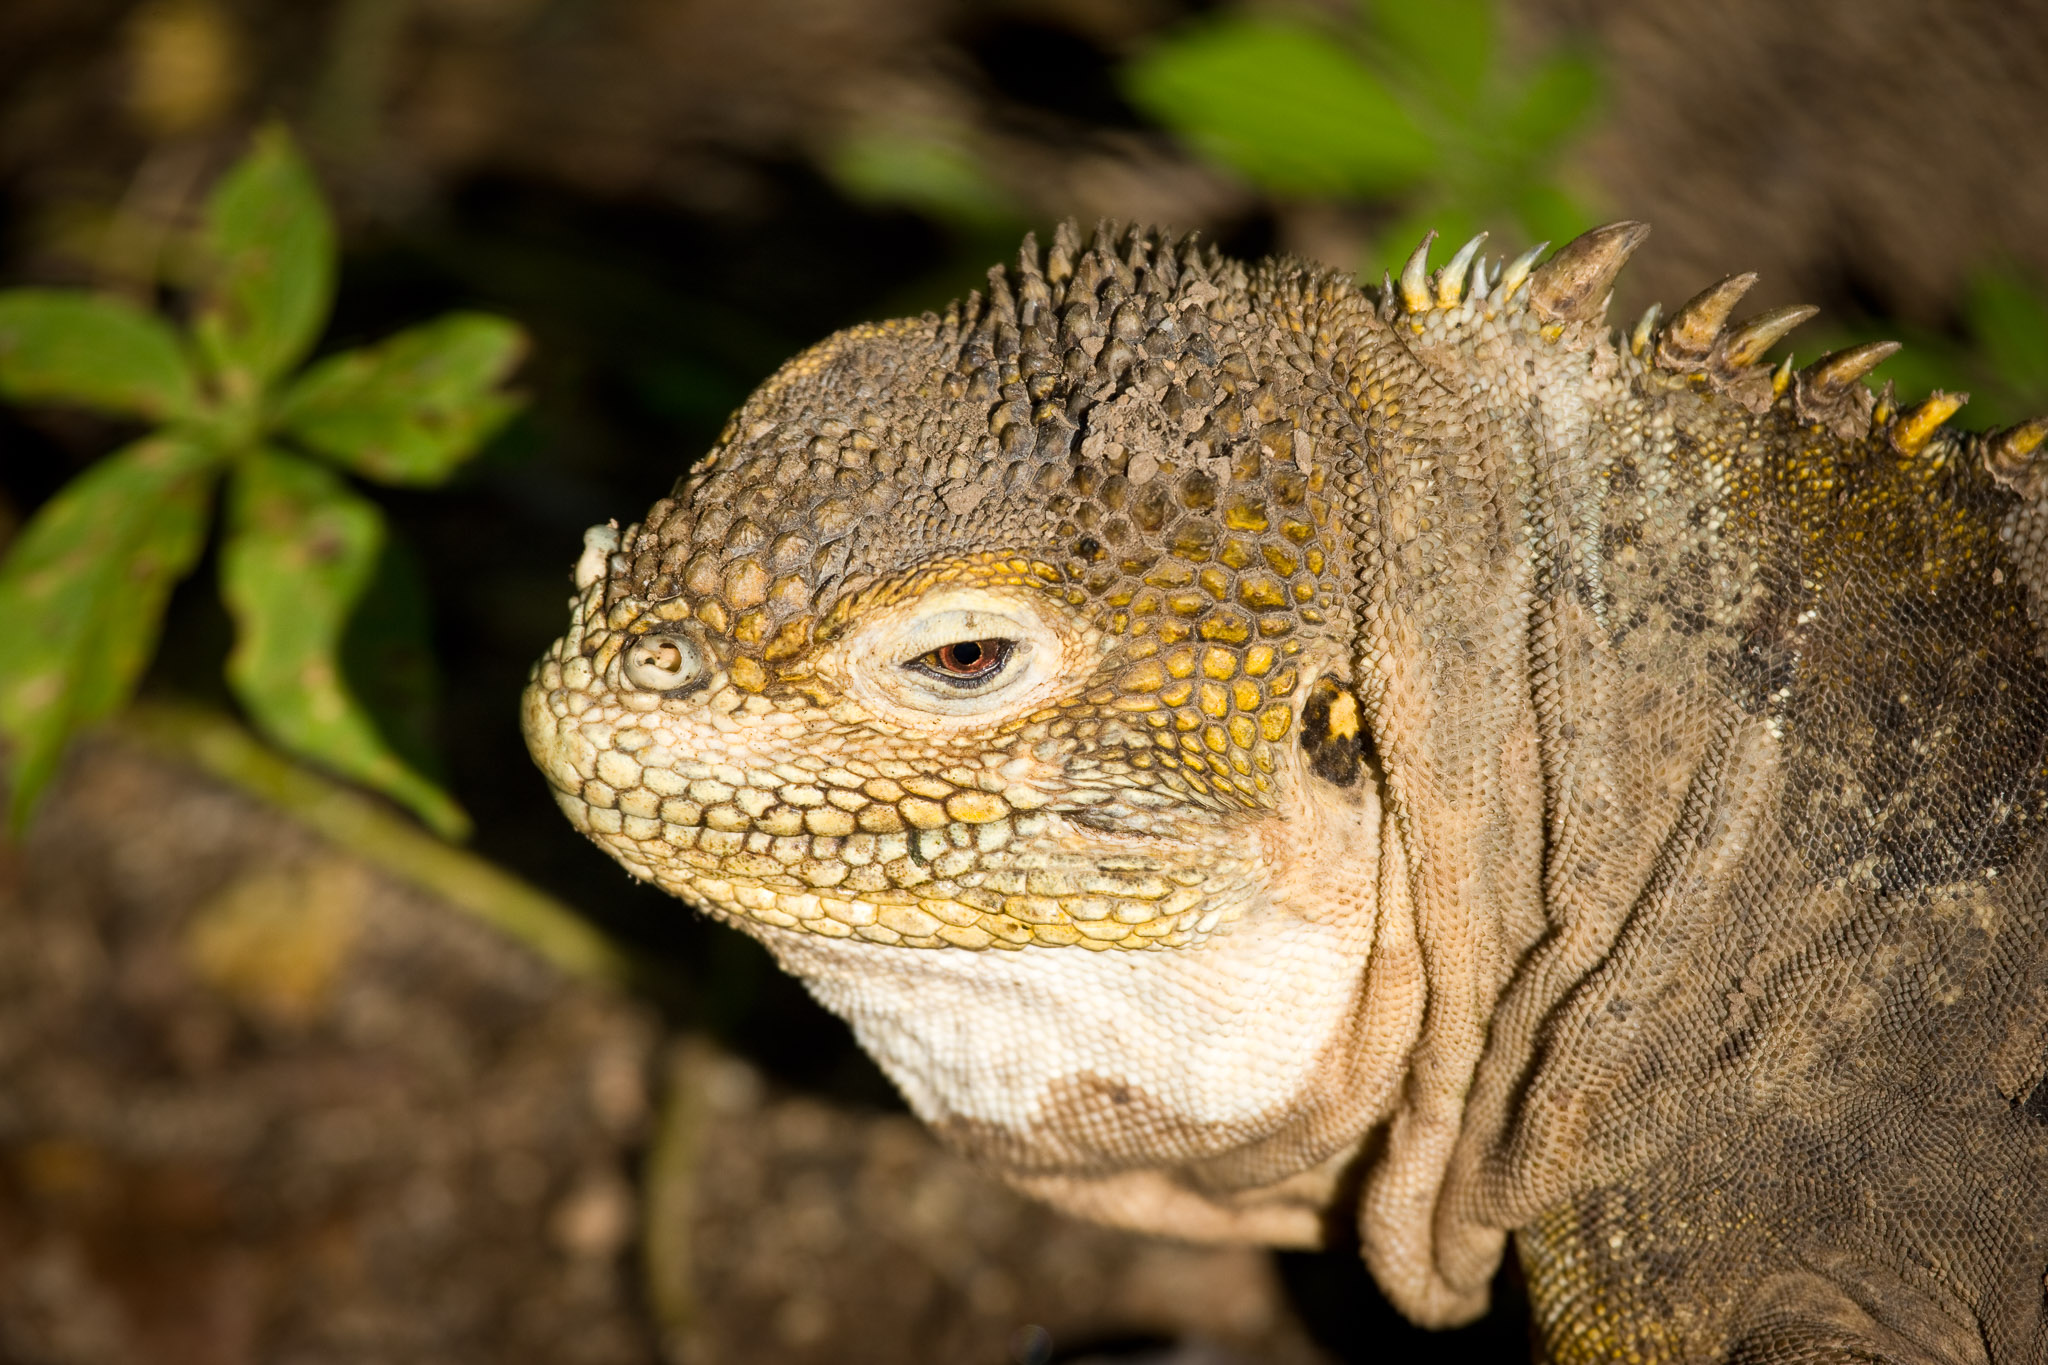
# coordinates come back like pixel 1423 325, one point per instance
pixel 961 431
pixel 1572 286
pixel 2014 457
pixel 1576 285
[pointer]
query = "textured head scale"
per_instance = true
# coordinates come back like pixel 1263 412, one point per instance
pixel 955 446
pixel 1089 430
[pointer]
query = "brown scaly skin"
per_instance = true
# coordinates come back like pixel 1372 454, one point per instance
pixel 1250 755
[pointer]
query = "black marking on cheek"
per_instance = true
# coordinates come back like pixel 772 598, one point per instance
pixel 1088 547
pixel 2035 1105
pixel 1333 734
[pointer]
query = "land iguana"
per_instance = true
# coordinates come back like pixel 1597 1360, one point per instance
pixel 1256 757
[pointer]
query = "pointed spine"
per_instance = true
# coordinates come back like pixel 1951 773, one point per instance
pixel 1450 281
pixel 1690 337
pixel 2019 442
pixel 1839 369
pixel 1830 390
pixel 1066 244
pixel 1415 296
pixel 1746 344
pixel 1916 428
pixel 1001 302
pixel 1165 266
pixel 1034 295
pixel 1574 284
pixel 1137 249
pixel 1518 270
pixel 1646 329
pixel 2011 456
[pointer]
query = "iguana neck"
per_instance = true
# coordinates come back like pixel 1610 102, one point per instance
pixel 1733 641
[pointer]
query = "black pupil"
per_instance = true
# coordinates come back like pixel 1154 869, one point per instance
pixel 967 657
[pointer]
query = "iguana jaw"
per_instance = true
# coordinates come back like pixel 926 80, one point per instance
pixel 1210 1088
pixel 1214 1091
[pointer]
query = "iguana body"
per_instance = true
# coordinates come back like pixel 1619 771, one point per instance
pixel 1249 756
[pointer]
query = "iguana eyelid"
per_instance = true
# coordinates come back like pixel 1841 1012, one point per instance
pixel 882 668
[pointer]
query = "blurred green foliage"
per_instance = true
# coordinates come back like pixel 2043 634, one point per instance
pixel 83 589
pixel 1997 351
pixel 926 166
pixel 931 167
pixel 1409 106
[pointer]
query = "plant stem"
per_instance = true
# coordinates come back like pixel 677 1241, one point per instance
pixel 219 747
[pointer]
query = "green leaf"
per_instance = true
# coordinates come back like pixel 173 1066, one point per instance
pixel 2008 316
pixel 300 549
pixel 411 408
pixel 82 597
pixel 66 346
pixel 1448 42
pixel 1554 103
pixel 387 658
pixel 1286 106
pixel 269 251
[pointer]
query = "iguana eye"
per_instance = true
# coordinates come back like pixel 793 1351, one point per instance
pixel 965 663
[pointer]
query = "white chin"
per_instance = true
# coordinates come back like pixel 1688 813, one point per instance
pixel 1215 1042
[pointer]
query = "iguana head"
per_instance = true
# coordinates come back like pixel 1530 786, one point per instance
pixel 996 669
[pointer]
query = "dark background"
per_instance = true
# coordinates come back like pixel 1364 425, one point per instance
pixel 668 195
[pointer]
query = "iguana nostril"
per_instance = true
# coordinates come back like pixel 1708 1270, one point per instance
pixel 664 663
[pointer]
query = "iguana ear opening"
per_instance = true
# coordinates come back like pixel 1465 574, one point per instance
pixel 671 663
